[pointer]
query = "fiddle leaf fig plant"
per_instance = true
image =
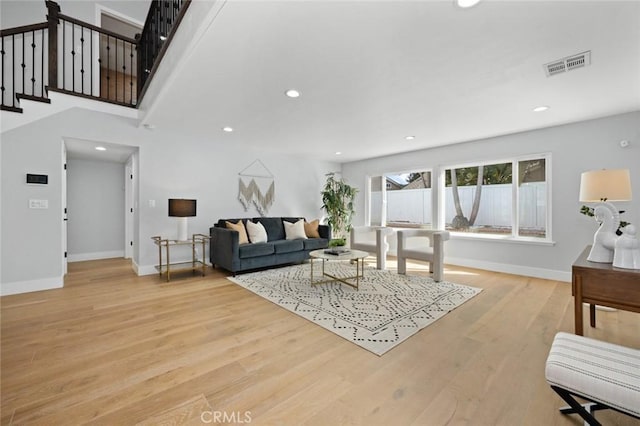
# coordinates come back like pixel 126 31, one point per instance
pixel 337 201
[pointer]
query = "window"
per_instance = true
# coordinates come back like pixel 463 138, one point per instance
pixel 405 201
pixel 376 202
pixel 532 199
pixel 485 198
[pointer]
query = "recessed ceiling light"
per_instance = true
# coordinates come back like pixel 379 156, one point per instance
pixel 409 138
pixel 338 152
pixel 100 148
pixel 163 37
pixel 465 4
pixel 227 129
pixel 540 108
pixel 292 93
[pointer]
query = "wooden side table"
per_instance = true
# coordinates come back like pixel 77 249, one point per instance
pixel 602 284
pixel 165 265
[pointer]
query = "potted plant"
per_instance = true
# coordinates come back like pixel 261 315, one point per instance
pixel 337 201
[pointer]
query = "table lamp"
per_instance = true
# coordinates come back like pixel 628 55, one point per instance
pixel 182 209
pixel 603 186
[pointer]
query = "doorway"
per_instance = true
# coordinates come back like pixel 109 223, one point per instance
pixel 100 198
pixel 117 79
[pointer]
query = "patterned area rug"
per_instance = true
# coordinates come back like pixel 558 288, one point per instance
pixel 387 309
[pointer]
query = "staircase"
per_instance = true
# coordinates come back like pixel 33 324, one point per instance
pixel 64 57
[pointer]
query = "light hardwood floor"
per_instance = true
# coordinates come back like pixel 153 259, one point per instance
pixel 113 348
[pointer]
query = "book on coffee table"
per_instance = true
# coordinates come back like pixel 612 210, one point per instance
pixel 337 251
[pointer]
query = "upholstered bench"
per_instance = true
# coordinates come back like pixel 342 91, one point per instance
pixel 608 375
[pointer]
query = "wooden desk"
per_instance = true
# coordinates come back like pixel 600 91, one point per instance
pixel 602 284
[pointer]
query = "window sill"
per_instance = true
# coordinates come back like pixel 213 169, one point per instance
pixel 502 239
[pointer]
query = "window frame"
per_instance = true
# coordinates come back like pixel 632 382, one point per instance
pixel 515 199
pixel 384 200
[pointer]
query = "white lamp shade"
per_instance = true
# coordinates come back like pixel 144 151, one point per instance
pixel 612 185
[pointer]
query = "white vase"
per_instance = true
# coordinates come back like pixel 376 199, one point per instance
pixel 627 249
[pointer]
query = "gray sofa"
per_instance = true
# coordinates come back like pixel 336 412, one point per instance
pixel 226 252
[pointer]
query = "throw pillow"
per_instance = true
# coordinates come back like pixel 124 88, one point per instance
pixel 257 233
pixel 311 229
pixel 294 231
pixel 240 228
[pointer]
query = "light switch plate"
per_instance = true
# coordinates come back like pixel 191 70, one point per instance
pixel 38 204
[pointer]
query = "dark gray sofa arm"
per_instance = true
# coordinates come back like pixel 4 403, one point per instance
pixel 324 231
pixel 223 249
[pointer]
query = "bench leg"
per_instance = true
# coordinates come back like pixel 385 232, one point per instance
pixel 577 408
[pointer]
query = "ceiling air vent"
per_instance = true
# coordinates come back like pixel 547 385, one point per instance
pixel 567 64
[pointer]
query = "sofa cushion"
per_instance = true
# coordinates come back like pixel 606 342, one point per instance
pixel 287 246
pixel 256 231
pixel 222 223
pixel 294 231
pixel 255 250
pixel 291 220
pixel 242 232
pixel 273 226
pixel 311 229
pixel 315 243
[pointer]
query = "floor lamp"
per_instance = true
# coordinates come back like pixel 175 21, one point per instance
pixel 182 209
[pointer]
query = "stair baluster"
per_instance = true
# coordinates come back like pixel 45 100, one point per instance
pixel 144 53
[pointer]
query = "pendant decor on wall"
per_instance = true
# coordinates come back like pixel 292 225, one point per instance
pixel 257 187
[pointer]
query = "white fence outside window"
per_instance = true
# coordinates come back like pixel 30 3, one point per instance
pixel 413 206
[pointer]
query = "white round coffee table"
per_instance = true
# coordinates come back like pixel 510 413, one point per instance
pixel 356 256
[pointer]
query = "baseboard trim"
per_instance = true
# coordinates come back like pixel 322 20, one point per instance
pixel 527 271
pixel 135 266
pixel 19 287
pixel 145 270
pixel 95 255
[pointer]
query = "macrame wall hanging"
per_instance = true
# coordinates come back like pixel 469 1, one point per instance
pixel 257 187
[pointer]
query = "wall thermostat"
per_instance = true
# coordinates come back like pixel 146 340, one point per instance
pixel 37 179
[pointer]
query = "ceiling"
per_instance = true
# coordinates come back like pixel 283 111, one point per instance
pixel 80 149
pixel 371 73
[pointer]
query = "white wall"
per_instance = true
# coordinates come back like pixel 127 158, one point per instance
pixel 31 238
pixel 95 209
pixel 574 147
pixel 169 166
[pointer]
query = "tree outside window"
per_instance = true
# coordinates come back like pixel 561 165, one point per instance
pixel 479 199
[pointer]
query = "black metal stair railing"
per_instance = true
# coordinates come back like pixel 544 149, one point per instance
pixel 23 66
pixel 96 62
pixel 70 56
pixel 163 18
